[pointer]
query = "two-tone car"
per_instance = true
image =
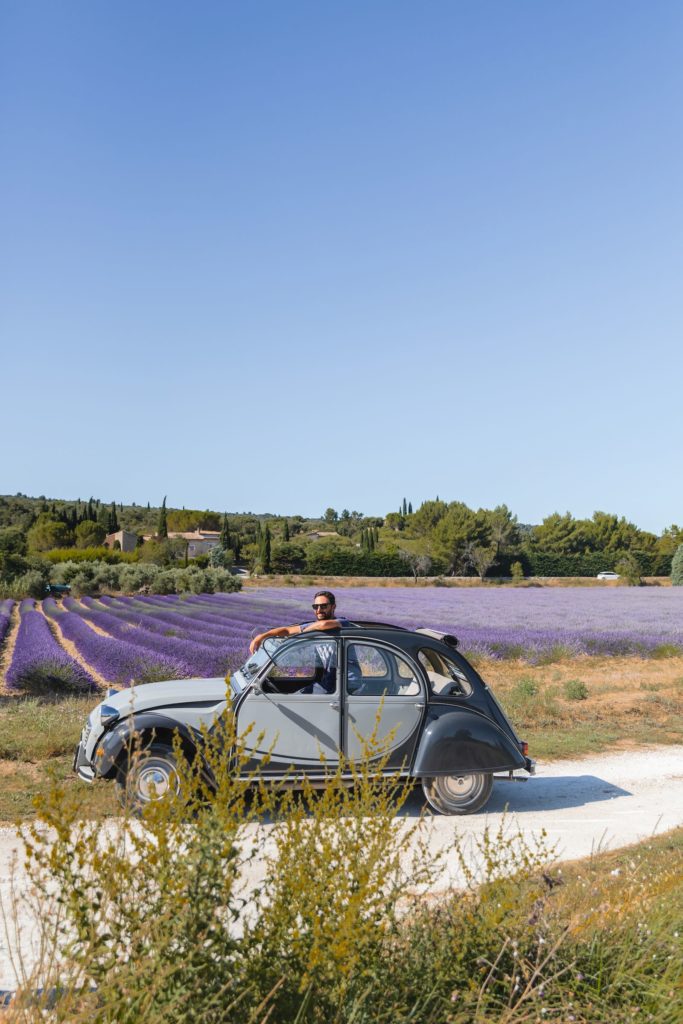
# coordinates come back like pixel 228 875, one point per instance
pixel 313 700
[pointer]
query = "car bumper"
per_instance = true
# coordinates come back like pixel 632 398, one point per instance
pixel 82 765
pixel 518 774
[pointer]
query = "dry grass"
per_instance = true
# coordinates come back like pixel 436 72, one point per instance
pixel 629 702
pixel 340 582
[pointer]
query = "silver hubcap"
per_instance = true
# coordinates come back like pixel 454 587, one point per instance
pixel 153 782
pixel 460 787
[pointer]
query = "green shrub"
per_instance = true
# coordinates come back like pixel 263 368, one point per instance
pixel 677 567
pixel 525 688
pixel 575 689
pixel 206 915
pixel 164 582
pixel 30 584
pixel 517 571
pixel 134 577
pixel 89 555
pixel 629 569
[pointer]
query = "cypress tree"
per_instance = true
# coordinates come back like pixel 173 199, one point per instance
pixel 405 508
pixel 112 519
pixel 268 550
pixel 162 527
pixel 285 531
pixel 225 533
pixel 410 508
pixel 265 550
pixel 677 567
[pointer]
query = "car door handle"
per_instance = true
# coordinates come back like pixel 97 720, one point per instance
pixel 419 706
pixel 335 704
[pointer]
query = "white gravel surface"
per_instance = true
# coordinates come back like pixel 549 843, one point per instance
pixel 584 805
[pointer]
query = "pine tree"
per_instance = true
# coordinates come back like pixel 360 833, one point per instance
pixel 162 527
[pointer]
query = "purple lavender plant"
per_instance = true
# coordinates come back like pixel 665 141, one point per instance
pixel 39 664
pixel 117 661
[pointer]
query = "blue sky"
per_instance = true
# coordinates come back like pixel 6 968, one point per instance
pixel 278 256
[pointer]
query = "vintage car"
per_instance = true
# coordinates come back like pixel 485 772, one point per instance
pixel 313 697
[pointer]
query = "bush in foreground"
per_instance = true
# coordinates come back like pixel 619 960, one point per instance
pixel 204 914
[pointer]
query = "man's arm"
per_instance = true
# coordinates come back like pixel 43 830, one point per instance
pixel 277 631
pixel 324 624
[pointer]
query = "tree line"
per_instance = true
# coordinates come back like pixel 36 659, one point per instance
pixel 435 538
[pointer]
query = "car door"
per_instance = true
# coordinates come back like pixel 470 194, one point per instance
pixel 296 708
pixel 384 694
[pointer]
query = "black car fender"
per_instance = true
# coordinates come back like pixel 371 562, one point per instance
pixel 457 739
pixel 136 732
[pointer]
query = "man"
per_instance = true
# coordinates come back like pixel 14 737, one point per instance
pixel 324 606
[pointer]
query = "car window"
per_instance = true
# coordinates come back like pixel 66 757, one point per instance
pixel 311 663
pixel 444 675
pixel 375 671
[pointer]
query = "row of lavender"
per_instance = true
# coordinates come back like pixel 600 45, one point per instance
pixel 533 623
pixel 39 662
pixel 139 639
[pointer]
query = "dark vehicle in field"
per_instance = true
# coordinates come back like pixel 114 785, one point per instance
pixel 313 698
pixel 57 589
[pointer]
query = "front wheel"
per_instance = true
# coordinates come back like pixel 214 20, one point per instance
pixel 149 776
pixel 458 794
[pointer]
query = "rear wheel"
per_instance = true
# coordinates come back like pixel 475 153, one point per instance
pixel 458 794
pixel 150 776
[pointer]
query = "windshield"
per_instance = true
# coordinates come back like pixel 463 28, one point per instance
pixel 258 659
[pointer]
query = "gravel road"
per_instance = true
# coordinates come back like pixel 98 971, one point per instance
pixel 584 805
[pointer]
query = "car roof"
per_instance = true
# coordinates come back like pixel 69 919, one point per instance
pixel 381 629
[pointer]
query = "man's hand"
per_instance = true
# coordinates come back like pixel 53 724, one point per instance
pixel 256 643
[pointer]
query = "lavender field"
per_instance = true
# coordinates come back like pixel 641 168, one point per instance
pixel 120 640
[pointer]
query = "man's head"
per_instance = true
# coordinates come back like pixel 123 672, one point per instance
pixel 324 605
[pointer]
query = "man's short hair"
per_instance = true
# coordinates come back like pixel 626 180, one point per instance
pixel 327 594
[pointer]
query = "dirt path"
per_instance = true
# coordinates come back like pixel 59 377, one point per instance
pixel 7 652
pixel 583 805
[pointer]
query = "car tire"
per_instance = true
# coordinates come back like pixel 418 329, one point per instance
pixel 149 777
pixel 458 794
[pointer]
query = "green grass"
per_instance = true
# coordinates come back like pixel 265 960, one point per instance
pixel 33 729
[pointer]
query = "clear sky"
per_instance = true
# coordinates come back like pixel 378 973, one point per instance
pixel 276 256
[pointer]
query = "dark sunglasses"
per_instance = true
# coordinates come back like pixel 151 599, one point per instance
pixel 316 606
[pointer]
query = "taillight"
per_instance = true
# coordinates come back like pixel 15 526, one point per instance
pixel 525 747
